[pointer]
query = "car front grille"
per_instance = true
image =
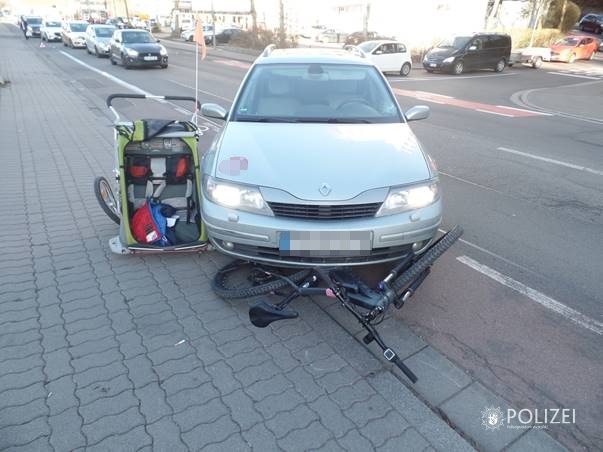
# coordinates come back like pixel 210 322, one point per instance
pixel 324 212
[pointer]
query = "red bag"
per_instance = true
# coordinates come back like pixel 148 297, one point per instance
pixel 144 228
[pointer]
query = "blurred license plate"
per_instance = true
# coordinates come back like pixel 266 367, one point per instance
pixel 325 244
pixel 432 65
pixel 150 58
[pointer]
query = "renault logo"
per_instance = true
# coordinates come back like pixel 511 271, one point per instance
pixel 324 189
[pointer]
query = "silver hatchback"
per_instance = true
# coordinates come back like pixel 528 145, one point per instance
pixel 316 165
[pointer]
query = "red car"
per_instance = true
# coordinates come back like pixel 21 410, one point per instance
pixel 572 48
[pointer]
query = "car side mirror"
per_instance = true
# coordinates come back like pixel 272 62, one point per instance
pixel 214 111
pixel 472 48
pixel 417 112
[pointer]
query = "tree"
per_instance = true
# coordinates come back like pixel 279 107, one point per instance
pixel 254 16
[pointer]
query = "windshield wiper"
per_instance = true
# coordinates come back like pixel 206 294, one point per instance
pixel 265 119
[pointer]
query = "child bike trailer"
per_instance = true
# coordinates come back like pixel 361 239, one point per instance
pixel 156 197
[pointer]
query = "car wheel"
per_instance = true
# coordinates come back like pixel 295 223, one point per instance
pixel 113 62
pixel 572 58
pixel 405 69
pixel 190 39
pixel 71 44
pixel 164 66
pixel 88 50
pixel 500 66
pixel 64 43
pixel 537 63
pixel 592 55
pixel 599 30
pixel 581 27
pixel 429 71
pixel 458 68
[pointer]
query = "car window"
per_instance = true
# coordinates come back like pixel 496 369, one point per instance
pixel 401 48
pixel 77 27
pixel 567 42
pixel 456 42
pixel 367 46
pixel 52 24
pixel 313 92
pixel 103 32
pixel 136 37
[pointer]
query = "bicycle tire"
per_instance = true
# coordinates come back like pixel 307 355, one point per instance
pixel 100 180
pixel 427 259
pixel 220 288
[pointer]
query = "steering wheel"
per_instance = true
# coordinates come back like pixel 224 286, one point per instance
pixel 354 100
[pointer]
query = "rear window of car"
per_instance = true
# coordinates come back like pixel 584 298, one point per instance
pixel 78 27
pixel 104 32
pixel 316 92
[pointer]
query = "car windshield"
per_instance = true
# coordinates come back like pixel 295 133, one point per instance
pixel 34 20
pixel 53 24
pixel 77 27
pixel 368 46
pixel 457 42
pixel 313 92
pixel 137 37
pixel 567 42
pixel 104 32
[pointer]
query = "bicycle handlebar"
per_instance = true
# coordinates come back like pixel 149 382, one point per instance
pixel 149 96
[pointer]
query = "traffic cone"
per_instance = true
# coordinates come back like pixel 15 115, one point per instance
pixel 42 45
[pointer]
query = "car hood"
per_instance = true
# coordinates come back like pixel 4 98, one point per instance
pixel 299 158
pixel 144 47
pixel 442 52
pixel 77 34
pixel 103 40
pixel 52 29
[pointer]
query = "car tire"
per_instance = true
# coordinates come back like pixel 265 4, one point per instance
pixel 458 68
pixel 500 65
pixel 190 39
pixel 71 44
pixel 88 50
pixel 592 55
pixel 429 71
pixel 572 58
pixel 96 54
pixel 405 70
pixel 599 30
pixel 64 43
pixel 537 63
pixel 163 66
pixel 113 62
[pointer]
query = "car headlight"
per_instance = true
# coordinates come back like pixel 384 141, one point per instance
pixel 132 52
pixel 448 60
pixel 162 51
pixel 235 196
pixel 402 199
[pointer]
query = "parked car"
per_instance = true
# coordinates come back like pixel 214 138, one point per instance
pixel 331 36
pixel 358 36
pixel 460 53
pixel 388 56
pixel 312 32
pixel 223 36
pixel 572 48
pixel 98 38
pixel 117 22
pixel 50 30
pixel 74 33
pixel 592 22
pixel 33 26
pixel 353 186
pixel 189 35
pixel 137 48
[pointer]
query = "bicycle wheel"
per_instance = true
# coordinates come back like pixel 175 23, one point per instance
pixel 241 279
pixel 427 259
pixel 106 199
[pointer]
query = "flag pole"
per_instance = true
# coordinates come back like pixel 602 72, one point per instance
pixel 196 75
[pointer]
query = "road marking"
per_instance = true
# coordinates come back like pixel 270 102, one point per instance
pixel 119 81
pixel 553 161
pixel 135 88
pixel 470 183
pixel 575 75
pixel 453 77
pixel 501 110
pixel 540 298
pixel 495 113
pixel 201 91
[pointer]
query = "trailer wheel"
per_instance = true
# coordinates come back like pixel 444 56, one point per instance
pixel 537 63
pixel 106 198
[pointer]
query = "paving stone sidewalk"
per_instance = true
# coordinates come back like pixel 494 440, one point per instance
pixel 109 353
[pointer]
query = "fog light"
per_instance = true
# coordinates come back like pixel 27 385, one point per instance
pixel 417 246
pixel 228 245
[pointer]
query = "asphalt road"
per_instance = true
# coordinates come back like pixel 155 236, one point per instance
pixel 518 302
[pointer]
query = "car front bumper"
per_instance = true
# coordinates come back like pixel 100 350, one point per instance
pixel 139 61
pixel 256 237
pixel 437 65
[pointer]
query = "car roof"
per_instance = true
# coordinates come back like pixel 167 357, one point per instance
pixel 101 26
pixel 312 55
pixel 382 41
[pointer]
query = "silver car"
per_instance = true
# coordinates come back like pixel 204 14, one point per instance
pixel 97 39
pixel 316 165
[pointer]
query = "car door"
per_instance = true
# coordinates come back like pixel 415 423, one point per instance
pixel 379 56
pixel 474 54
pixel 90 38
pixel 115 51
pixel 581 50
pixel 402 55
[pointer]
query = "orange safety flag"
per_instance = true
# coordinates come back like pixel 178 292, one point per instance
pixel 199 38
